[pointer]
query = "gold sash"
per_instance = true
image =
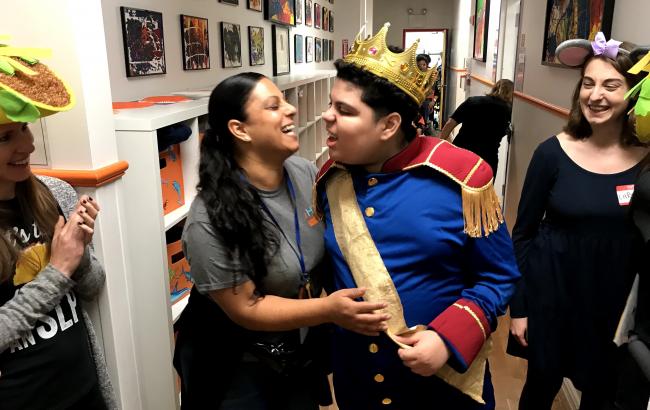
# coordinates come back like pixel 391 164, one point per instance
pixel 369 271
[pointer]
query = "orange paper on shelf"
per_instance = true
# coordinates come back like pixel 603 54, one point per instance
pixel 180 280
pixel 171 178
pixel 165 99
pixel 122 105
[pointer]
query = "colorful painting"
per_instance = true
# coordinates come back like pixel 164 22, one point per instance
pixel 256 45
pixel 326 19
pixel 255 5
pixel 317 15
pixel 144 46
pixel 300 9
pixel 309 13
pixel 578 19
pixel 309 49
pixel 281 55
pixel 297 48
pixel 230 45
pixel 481 20
pixel 196 49
pixel 280 11
pixel 318 52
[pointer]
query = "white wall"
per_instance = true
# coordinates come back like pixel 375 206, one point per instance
pixel 176 79
pixel 439 15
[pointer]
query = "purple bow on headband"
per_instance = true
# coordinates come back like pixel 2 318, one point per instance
pixel 607 48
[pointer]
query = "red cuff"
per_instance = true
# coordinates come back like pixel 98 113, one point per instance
pixel 464 326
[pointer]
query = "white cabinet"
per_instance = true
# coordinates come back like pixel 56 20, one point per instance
pixel 136 132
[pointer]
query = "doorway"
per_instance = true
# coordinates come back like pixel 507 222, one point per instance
pixel 433 42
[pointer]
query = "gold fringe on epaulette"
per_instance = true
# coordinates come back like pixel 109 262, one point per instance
pixel 481 210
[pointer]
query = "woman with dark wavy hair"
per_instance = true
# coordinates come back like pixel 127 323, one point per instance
pixel 246 339
pixel 574 240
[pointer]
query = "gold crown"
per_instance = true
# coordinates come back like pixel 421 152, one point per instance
pixel 401 69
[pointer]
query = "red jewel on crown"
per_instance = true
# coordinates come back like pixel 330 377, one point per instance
pixel 372 50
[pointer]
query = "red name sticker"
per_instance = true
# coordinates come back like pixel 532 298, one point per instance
pixel 624 193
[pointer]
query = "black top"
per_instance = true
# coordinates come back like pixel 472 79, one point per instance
pixel 48 364
pixel 641 216
pixel 485 121
pixel 575 246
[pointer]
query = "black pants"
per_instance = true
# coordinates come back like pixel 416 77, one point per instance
pixel 540 391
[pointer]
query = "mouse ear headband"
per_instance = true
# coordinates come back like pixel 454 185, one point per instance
pixel 642 90
pixel 574 52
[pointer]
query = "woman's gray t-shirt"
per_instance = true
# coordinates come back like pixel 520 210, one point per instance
pixel 213 267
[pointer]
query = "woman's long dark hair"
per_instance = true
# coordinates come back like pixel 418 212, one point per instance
pixel 34 202
pixel 232 204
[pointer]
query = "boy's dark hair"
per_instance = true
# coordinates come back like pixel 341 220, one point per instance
pixel 380 95
pixel 424 57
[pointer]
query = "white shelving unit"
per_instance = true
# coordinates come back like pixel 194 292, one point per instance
pixel 136 132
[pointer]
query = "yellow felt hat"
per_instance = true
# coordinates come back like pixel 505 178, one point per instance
pixel 28 88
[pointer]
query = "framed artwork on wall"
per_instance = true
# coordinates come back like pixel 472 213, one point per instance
pixel 584 20
pixel 144 46
pixel 196 48
pixel 331 21
pixel 300 11
pixel 326 49
pixel 255 5
pixel 309 49
pixel 230 45
pixel 233 2
pixel 309 14
pixel 280 11
pixel 256 45
pixel 281 55
pixel 325 25
pixel 317 49
pixel 481 20
pixel 331 50
pixel 317 15
pixel 297 48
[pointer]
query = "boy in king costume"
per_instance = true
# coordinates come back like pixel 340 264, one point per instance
pixel 416 222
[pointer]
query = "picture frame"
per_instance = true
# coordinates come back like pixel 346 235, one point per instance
pixel 298 43
pixel 280 12
pixel 309 49
pixel 326 49
pixel 318 49
pixel 331 50
pixel 281 54
pixel 300 11
pixel 144 44
pixel 232 2
pixel 309 13
pixel 317 15
pixel 195 43
pixel 255 5
pixel 481 25
pixel 230 45
pixel 559 26
pixel 326 20
pixel 331 22
pixel 256 45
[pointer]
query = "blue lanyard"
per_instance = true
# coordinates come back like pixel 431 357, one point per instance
pixel 296 221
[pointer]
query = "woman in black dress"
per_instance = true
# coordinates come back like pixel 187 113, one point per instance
pixel 575 243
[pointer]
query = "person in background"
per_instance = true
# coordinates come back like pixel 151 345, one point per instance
pixel 49 355
pixel 485 119
pixel 246 339
pixel 575 244
pixel 449 268
pixel 426 108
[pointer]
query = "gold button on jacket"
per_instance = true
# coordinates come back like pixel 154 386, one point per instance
pixel 370 211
